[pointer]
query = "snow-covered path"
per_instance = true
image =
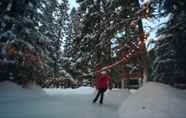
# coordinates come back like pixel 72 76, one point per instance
pixel 63 106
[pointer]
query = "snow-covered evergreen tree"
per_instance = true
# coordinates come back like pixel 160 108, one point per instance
pixel 53 24
pixel 101 21
pixel 18 19
pixel 31 32
pixel 169 64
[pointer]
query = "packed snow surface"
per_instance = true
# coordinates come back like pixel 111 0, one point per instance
pixel 154 100
pixel 34 102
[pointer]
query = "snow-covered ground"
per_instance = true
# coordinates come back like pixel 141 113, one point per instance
pixel 18 102
pixel 155 100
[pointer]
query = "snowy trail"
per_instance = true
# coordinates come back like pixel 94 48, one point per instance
pixel 63 106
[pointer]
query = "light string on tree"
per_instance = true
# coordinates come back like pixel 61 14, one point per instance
pixel 139 48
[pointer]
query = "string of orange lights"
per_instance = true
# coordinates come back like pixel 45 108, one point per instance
pixel 140 45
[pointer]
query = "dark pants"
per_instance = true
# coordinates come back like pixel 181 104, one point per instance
pixel 100 93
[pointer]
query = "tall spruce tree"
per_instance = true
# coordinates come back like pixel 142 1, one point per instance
pixel 53 25
pixel 20 40
pixel 169 64
pixel 100 22
pixel 31 32
pixel 71 51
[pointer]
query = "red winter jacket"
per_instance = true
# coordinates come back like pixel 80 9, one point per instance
pixel 102 80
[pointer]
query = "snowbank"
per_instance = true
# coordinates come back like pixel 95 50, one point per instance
pixel 10 91
pixel 80 90
pixel 155 100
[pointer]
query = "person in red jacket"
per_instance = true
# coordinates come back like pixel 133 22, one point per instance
pixel 102 82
